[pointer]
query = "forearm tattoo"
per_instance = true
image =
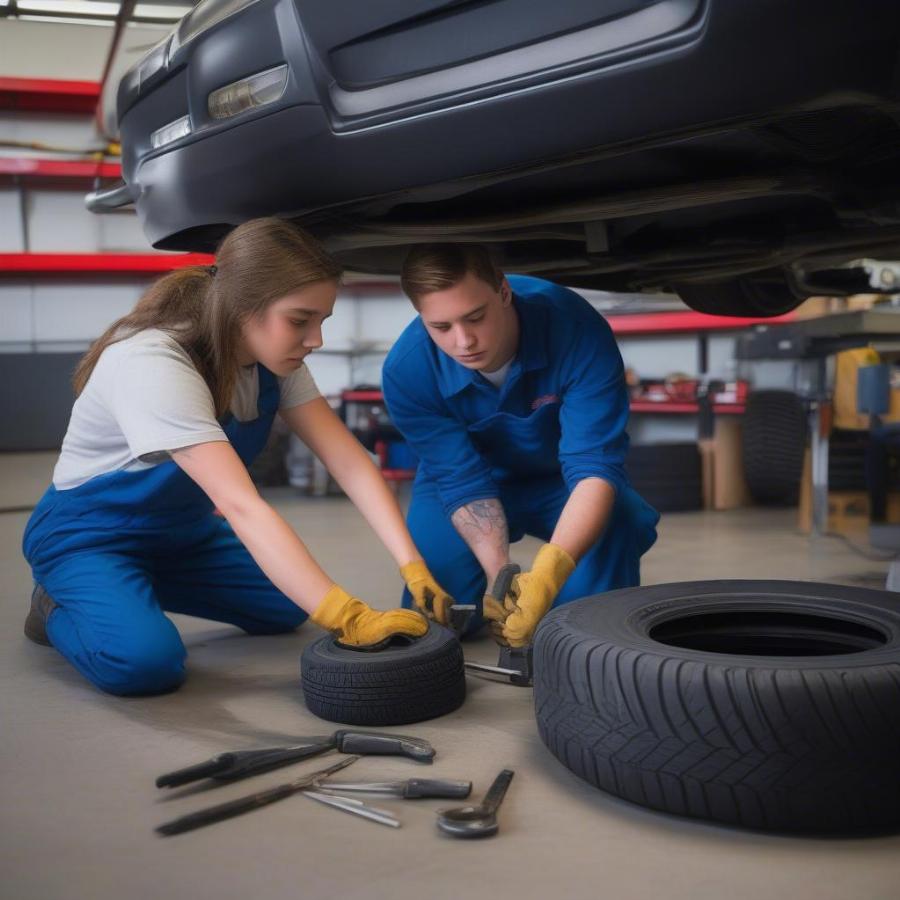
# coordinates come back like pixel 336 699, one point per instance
pixel 482 519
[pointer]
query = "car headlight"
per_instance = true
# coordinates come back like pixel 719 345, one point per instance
pixel 204 15
pixel 248 93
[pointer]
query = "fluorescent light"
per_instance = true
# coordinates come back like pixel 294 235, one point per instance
pixel 64 20
pixel 159 11
pixel 100 9
pixel 70 7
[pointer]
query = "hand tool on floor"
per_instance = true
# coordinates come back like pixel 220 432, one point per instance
pixel 253 801
pixel 239 764
pixel 477 821
pixel 356 807
pixel 515 663
pixel 412 788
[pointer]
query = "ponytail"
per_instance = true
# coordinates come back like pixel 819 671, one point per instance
pixel 174 303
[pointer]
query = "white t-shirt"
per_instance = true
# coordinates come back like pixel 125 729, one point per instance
pixel 498 377
pixel 145 398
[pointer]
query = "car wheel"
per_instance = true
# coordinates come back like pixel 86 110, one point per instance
pixel 774 441
pixel 765 704
pixel 409 680
pixel 740 297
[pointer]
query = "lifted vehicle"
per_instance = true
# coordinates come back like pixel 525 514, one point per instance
pixel 738 153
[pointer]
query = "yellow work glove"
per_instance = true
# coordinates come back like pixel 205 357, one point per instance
pixel 493 609
pixel 532 593
pixel 430 598
pixel 353 622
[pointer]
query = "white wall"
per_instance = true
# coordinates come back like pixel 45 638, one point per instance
pixel 51 50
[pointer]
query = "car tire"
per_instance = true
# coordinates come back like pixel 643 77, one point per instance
pixel 774 442
pixel 407 681
pixel 765 704
pixel 667 476
pixel 741 297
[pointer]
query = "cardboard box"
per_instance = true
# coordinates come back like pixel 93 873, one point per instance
pixel 722 464
pixel 848 511
pixel 820 306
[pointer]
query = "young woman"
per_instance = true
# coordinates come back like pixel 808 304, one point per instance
pixel 173 402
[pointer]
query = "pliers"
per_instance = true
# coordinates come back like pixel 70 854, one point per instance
pixel 238 764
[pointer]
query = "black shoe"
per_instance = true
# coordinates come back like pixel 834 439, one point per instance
pixel 36 621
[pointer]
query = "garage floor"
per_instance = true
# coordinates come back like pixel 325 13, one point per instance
pixel 78 766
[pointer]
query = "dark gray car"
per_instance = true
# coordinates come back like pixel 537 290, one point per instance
pixel 738 152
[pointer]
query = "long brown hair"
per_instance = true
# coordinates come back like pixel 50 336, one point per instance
pixel 204 307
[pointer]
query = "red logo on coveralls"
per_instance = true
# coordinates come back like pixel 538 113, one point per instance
pixel 544 400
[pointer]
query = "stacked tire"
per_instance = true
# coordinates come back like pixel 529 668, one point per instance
pixel 667 476
pixel 774 441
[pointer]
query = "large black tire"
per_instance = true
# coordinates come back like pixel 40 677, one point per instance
pixel 406 682
pixel 774 440
pixel 667 476
pixel 767 704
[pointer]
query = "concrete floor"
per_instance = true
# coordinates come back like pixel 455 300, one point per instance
pixel 77 766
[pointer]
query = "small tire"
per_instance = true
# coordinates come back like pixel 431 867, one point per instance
pixel 661 695
pixel 408 681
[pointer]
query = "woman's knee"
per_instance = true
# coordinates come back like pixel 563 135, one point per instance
pixel 152 667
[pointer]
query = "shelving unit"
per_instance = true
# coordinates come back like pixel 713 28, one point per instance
pixel 27 167
pixel 664 408
pixel 685 323
pixel 18 264
pixel 668 408
pixel 49 95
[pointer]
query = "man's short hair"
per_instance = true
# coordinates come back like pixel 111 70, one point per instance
pixel 436 267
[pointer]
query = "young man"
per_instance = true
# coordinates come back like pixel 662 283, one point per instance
pixel 512 393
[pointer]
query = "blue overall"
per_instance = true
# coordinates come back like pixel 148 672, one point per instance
pixel 559 417
pixel 118 550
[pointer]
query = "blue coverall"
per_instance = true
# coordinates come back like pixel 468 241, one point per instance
pixel 118 550
pixel 560 417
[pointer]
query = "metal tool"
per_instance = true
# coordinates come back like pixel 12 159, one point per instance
pixel 239 764
pixel 477 821
pixel 412 788
pixel 356 807
pixel 460 616
pixel 461 613
pixel 253 801
pixel 515 663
